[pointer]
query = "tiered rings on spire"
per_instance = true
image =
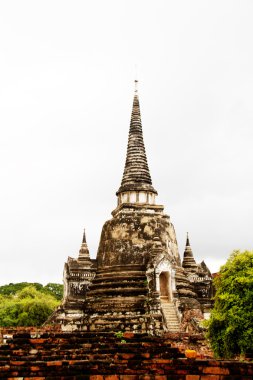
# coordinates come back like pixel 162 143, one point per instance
pixel 136 185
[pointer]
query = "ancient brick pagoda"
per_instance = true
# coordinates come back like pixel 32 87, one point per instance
pixel 137 282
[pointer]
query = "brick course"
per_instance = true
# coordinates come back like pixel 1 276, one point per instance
pixel 96 356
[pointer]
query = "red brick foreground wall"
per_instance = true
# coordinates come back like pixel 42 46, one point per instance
pixel 56 355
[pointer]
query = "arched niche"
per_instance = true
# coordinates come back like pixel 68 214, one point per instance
pixel 164 285
pixel 165 280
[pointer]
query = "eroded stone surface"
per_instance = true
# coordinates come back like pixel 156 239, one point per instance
pixel 137 282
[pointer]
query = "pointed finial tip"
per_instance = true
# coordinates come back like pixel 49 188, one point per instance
pixel 84 237
pixel 136 85
pixel 187 239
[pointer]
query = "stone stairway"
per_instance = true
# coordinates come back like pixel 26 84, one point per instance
pixel 170 315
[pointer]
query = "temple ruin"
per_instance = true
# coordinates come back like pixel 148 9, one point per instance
pixel 137 282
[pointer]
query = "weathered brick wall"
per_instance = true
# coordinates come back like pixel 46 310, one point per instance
pixel 43 355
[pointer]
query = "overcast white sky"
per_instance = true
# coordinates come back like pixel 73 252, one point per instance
pixel 66 90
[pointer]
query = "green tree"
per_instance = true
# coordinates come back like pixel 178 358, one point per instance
pixel 12 289
pixel 28 307
pixel 230 328
pixel 55 290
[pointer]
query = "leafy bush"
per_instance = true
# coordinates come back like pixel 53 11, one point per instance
pixel 12 289
pixel 55 290
pixel 230 328
pixel 26 307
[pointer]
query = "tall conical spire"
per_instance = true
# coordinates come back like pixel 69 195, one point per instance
pixel 189 263
pixel 136 176
pixel 84 237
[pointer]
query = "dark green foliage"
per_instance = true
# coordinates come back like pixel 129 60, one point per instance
pixel 230 328
pixel 55 290
pixel 12 289
pixel 26 304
